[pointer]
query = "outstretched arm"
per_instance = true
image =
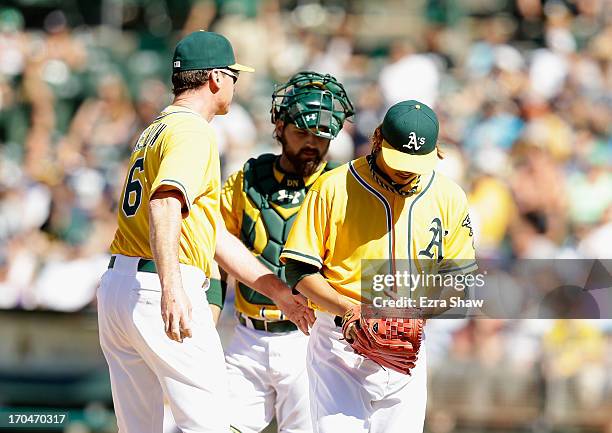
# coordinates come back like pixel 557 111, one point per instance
pixel 307 280
pixel 238 261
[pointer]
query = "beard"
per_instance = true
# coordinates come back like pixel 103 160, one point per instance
pixel 304 164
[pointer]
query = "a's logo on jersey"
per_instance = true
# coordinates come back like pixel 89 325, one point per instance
pixel 414 142
pixel 312 116
pixel 467 223
pixel 436 240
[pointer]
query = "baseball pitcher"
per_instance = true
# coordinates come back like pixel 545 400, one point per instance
pixel 369 375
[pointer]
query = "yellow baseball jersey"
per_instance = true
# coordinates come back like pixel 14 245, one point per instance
pixel 281 195
pixel 177 151
pixel 347 217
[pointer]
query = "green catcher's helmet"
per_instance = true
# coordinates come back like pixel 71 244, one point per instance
pixel 312 100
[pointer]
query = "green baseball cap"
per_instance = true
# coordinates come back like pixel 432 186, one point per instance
pixel 205 50
pixel 410 134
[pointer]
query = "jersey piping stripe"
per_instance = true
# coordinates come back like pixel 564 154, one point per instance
pixel 157 132
pixel 459 268
pixel 161 116
pixel 181 187
pixel 386 205
pixel 433 175
pixel 315 261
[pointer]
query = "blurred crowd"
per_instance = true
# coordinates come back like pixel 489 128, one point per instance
pixel 523 90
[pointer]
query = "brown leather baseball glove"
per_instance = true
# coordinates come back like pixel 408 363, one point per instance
pixel 391 342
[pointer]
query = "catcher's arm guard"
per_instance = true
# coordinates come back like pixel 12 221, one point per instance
pixel 391 342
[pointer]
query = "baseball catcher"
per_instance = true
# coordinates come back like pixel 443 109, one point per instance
pixel 266 359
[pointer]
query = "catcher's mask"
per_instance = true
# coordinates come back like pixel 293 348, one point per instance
pixel 312 101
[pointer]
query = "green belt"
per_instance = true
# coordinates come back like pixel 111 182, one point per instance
pixel 144 265
pixel 265 325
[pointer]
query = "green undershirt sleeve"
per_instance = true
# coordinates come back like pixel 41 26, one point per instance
pixel 296 270
pixel 216 292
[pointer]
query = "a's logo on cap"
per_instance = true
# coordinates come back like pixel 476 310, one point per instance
pixel 177 64
pixel 414 142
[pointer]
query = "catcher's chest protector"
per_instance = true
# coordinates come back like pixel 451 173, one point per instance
pixel 277 204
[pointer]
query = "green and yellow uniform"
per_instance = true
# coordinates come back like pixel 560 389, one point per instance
pixel 348 217
pixel 259 204
pixel 177 151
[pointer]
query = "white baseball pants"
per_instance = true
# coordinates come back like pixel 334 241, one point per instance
pixel 145 365
pixel 350 393
pixel 267 373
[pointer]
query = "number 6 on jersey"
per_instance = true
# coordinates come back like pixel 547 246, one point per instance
pixel 129 206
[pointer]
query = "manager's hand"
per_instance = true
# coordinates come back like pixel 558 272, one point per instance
pixel 176 313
